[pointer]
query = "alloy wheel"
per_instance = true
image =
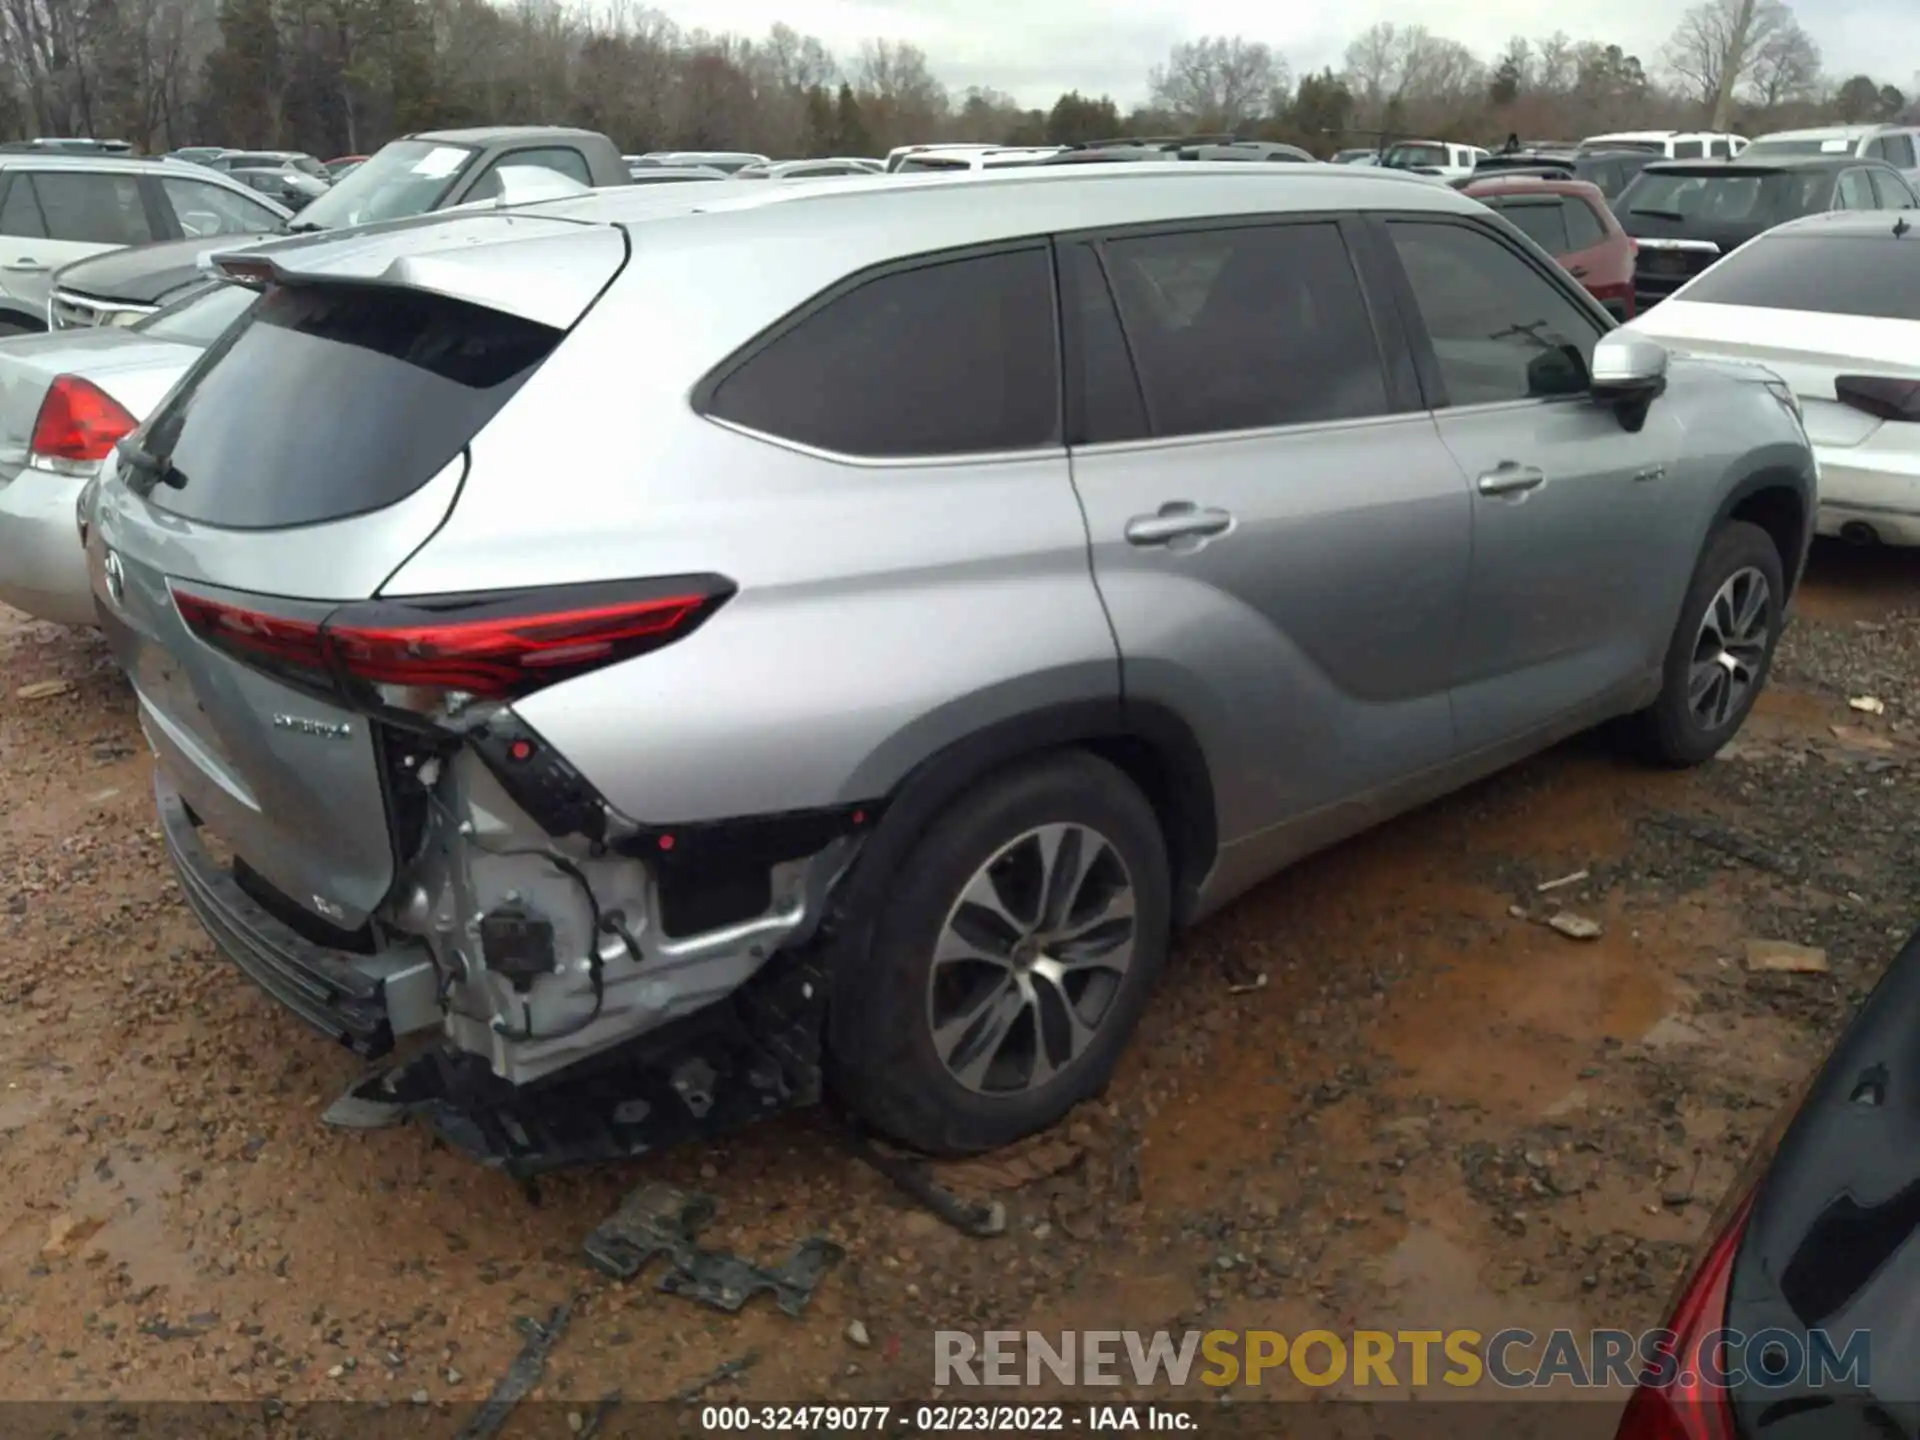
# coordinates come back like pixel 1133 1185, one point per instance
pixel 1730 648
pixel 1030 959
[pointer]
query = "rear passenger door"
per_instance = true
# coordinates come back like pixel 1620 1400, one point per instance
pixel 1280 538
pixel 1574 518
pixel 55 217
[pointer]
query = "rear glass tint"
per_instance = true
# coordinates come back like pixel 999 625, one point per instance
pixel 1830 275
pixel 331 401
pixel 1738 197
pixel 1540 220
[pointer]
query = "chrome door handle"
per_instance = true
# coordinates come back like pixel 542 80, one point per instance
pixel 1177 520
pixel 26 264
pixel 1510 479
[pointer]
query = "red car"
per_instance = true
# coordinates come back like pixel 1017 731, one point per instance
pixel 1569 219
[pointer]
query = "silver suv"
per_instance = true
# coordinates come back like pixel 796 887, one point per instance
pixel 571 618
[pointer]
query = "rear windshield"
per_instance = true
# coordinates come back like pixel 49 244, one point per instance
pixel 1739 198
pixel 1833 275
pixel 934 162
pixel 1402 157
pixel 406 177
pixel 1639 147
pixel 330 401
pixel 1542 221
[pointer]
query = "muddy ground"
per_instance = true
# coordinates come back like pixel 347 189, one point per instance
pixel 1380 1091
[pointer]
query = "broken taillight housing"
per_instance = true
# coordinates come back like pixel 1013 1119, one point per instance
pixel 77 427
pixel 428 656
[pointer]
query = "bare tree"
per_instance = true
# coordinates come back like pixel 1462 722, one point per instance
pixel 1218 82
pixel 900 101
pixel 1786 68
pixel 1718 46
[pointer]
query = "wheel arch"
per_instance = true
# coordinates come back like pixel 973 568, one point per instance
pixel 1148 742
pixel 1774 496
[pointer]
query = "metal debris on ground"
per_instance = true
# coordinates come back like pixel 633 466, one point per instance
pixel 982 1221
pixel 1786 958
pixel 522 1375
pixel 659 1221
pixel 1565 880
pixel 732 1370
pixel 1575 927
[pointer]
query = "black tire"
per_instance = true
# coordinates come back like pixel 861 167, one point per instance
pixel 1669 732
pixel 882 1059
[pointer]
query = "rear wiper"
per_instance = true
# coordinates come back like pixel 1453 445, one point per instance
pixel 304 227
pixel 1657 214
pixel 151 469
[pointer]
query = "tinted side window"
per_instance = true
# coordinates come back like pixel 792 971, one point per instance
pixel 953 358
pixel 1235 329
pixel 1103 393
pixel 1856 192
pixel 1721 150
pixel 1500 329
pixel 20 213
pixel 1584 229
pixel 1687 149
pixel 1898 151
pixel 1541 220
pixel 1891 191
pixel 95 209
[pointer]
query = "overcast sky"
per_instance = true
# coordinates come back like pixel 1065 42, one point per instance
pixel 1035 49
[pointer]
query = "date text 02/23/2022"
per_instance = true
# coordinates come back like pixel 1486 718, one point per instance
pixel 944 1419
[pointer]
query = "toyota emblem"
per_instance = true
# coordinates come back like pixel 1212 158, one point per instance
pixel 116 576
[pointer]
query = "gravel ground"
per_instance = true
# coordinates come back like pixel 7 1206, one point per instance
pixel 1381 1090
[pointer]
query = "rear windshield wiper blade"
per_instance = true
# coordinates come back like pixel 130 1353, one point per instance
pixel 150 467
pixel 1657 214
pixel 304 227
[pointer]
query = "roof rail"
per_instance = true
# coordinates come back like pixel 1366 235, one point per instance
pixel 1152 142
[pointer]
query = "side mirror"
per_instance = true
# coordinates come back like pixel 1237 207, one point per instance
pixel 1629 372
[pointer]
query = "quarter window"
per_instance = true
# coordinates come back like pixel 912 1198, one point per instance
pixel 95 209
pixel 20 214
pixel 1584 229
pixel 1500 330
pixel 560 159
pixel 958 357
pixel 1687 149
pixel 1542 220
pixel 1896 149
pixel 1247 327
pixel 1856 192
pixel 1891 191
pixel 204 209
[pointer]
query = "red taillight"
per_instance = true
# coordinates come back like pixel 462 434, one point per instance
pixel 1684 1404
pixel 78 423
pixel 412 654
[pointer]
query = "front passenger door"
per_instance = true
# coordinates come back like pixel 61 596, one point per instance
pixel 78 213
pixel 1573 532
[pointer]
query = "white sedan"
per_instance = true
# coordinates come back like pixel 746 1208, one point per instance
pixel 1831 304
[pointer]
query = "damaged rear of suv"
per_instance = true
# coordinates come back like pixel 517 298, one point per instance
pixel 402 607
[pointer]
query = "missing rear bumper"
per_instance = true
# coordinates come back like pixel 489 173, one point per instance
pixel 754 1055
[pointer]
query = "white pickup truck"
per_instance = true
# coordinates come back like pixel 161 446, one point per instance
pixel 1442 159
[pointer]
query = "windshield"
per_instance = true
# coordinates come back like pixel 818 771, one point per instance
pixel 934 162
pixel 1405 157
pixel 202 317
pixel 1639 147
pixel 1765 199
pixel 406 177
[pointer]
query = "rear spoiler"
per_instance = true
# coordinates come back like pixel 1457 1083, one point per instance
pixel 542 268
